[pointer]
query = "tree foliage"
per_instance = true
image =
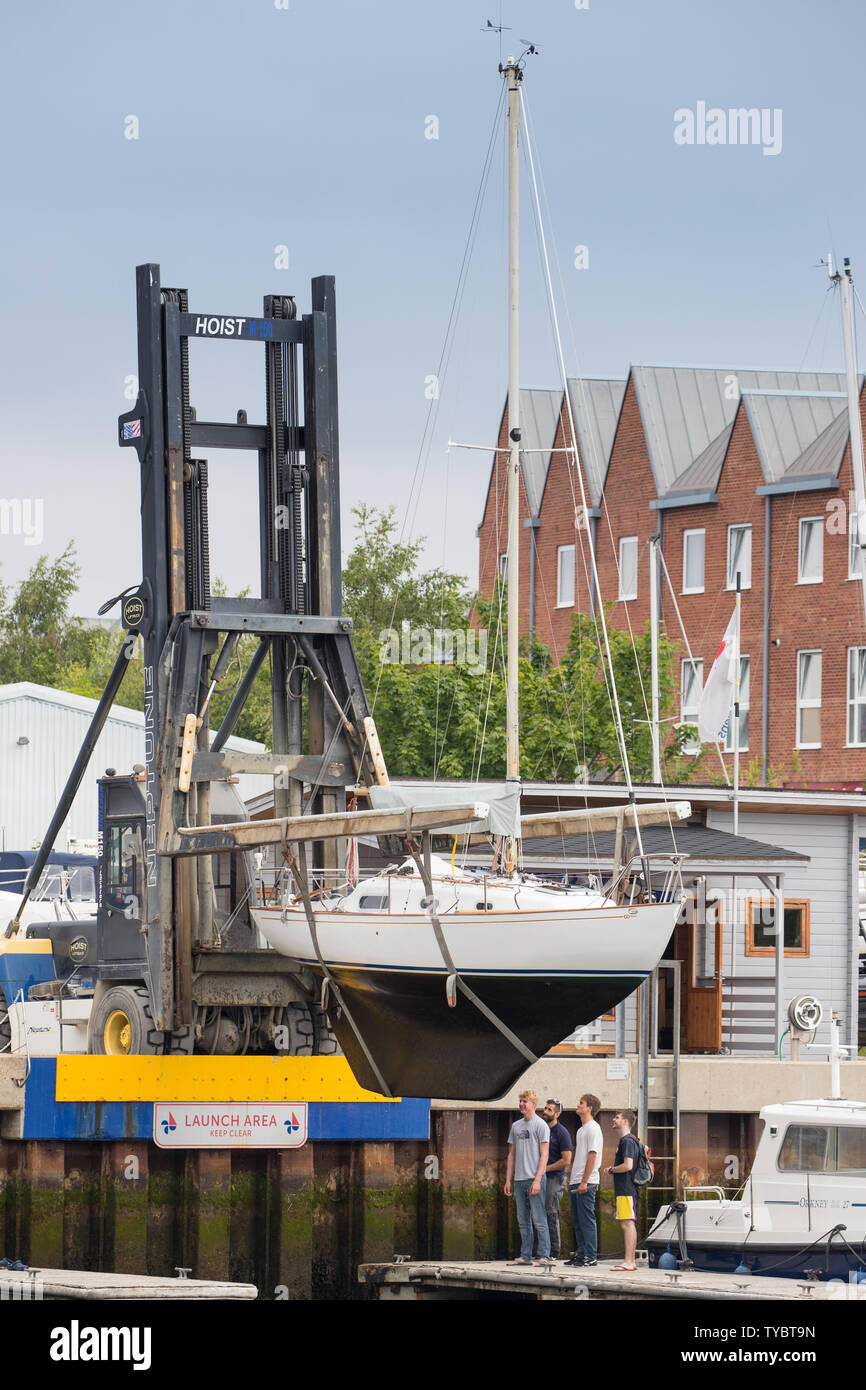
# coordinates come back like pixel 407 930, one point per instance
pixel 435 718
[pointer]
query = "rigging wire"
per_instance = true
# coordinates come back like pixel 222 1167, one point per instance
pixel 585 511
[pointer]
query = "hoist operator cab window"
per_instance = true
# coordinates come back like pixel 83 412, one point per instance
pixel 124 868
pixel 123 889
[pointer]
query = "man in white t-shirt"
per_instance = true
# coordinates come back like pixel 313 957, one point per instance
pixel 583 1184
pixel 528 1147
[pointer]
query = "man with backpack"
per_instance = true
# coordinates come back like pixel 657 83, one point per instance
pixel 625 1189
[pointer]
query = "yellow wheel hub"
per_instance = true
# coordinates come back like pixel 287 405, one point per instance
pixel 118 1034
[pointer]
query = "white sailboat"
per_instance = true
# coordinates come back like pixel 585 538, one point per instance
pixel 446 982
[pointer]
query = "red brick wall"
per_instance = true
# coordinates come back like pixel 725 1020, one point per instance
pixel 828 615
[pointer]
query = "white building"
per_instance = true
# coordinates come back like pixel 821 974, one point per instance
pixel 41 731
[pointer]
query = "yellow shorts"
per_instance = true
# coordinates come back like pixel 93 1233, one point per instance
pixel 626 1208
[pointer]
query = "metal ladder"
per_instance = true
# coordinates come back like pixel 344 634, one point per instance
pixel 659 1086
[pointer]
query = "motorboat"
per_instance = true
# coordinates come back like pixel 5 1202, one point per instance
pixel 802 1210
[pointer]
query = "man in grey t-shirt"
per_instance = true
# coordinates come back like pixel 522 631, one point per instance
pixel 528 1147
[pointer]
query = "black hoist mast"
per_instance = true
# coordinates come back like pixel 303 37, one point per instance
pixel 189 634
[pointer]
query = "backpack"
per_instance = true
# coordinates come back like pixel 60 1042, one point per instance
pixel 643 1171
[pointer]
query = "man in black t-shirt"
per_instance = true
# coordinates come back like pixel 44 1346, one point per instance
pixel 624 1186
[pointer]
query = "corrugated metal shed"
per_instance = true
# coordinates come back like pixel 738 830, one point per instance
pixel 33 773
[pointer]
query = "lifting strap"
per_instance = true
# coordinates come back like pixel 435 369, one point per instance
pixel 299 869
pixel 454 978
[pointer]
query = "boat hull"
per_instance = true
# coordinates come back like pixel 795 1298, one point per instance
pixel 542 973
pixel 425 1048
pixel 772 1256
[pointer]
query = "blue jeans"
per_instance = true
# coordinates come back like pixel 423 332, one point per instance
pixel 531 1213
pixel 583 1218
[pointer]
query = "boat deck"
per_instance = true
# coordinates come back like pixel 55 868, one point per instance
pixel 446 1279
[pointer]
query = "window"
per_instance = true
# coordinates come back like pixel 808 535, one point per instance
pixel 124 869
pixel 808 699
pixel 503 566
pixel 740 556
pixel 565 576
pixel 855 554
pixel 691 685
pixel 811 562
pixel 761 926
pixel 628 567
pixel 744 710
pixel 373 902
pixel 823 1149
pixel 856 695
pixel 694 544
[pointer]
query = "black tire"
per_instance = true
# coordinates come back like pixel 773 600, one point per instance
pixel 181 1043
pixel 133 1002
pixel 298 1019
pixel 326 1039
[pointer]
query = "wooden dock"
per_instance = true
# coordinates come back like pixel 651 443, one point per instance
pixel 34 1285
pixel 445 1279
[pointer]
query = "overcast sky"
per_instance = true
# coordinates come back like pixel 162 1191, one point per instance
pixel 306 127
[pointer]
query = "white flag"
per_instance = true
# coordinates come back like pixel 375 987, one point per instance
pixel 717 696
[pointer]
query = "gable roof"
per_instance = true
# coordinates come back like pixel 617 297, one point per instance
pixel 596 403
pixel 688 414
pixel 539 421
pixel 798 435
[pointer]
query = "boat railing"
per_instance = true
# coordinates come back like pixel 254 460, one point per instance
pixel 717 1191
pixel 619 884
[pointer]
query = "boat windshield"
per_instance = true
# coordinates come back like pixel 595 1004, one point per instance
pixel 82 883
pixel 823 1149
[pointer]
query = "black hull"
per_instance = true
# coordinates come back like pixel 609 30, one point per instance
pixel 424 1048
pixel 766 1257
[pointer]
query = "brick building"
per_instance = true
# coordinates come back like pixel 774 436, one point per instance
pixel 733 470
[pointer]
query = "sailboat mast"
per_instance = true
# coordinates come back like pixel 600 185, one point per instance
pixel 513 76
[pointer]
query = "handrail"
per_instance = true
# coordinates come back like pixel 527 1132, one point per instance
pixel 723 1196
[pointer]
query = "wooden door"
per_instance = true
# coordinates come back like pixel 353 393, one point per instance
pixel 701 1014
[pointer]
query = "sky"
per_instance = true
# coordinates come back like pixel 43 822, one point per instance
pixel 306 124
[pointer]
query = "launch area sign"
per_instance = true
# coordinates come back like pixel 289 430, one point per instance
pixel 230 1126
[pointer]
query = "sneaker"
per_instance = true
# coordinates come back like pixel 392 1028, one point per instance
pixel 574 1260
pixel 589 1263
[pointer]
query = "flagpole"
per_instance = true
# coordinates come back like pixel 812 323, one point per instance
pixel 737 714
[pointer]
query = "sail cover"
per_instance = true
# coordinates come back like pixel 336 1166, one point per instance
pixel 503 800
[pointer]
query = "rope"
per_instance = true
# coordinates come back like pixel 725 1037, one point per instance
pixel 299 869
pixel 453 973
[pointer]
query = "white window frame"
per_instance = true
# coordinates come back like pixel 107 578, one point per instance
pixel 695 531
pixel 624 541
pixel 561 602
pixel 818 523
pixel 503 565
pixel 745 579
pixel 745 679
pixel 690 716
pixel 809 703
pixel 855 554
pixel 852 703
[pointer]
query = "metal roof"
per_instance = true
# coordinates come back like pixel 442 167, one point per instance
pixel 539 419
pixel 596 403
pixel 688 413
pixel 798 435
